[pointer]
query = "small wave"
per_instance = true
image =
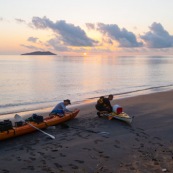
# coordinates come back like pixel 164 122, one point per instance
pixel 29 106
pixel 24 107
pixel 139 90
pixel 17 104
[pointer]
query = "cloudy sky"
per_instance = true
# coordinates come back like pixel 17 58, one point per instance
pixel 77 27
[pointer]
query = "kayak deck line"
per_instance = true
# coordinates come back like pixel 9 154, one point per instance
pixel 122 116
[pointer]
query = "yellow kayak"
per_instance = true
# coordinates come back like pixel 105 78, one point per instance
pixel 122 116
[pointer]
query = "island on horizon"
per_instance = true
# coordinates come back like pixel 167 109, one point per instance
pixel 39 53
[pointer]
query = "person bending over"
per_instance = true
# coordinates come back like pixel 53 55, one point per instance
pixel 60 108
pixel 103 104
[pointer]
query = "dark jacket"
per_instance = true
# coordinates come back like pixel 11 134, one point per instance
pixel 103 104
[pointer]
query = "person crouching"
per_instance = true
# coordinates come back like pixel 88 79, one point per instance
pixel 103 104
pixel 60 109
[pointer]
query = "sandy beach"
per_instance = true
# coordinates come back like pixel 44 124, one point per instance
pixel 99 145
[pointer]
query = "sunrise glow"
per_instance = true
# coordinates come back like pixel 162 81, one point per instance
pixel 110 27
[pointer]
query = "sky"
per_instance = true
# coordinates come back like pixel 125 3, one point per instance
pixel 77 27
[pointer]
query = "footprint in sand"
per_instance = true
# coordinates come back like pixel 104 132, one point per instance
pixel 43 161
pixel 41 153
pixel 161 145
pixel 137 139
pixel 22 148
pixel 58 165
pixel 93 157
pixel 105 136
pixel 73 166
pixel 132 168
pixel 54 150
pixel 141 145
pixel 97 141
pixel 140 151
pixel 97 150
pixel 106 157
pixel 5 171
pixel 19 158
pixel 130 129
pixel 145 134
pixel 32 154
pixel 156 163
pixel 62 155
pixel 116 146
pixel 60 146
pixel 86 149
pixel 157 138
pixel 79 161
pixel 32 158
pixel 140 129
pixel 137 134
pixel 84 137
pixel 31 168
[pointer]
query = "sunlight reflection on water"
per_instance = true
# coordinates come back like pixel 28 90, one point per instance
pixel 30 82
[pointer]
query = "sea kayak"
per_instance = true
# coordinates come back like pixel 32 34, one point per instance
pixel 122 116
pixel 25 128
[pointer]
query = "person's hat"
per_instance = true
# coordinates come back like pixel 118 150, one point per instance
pixel 68 101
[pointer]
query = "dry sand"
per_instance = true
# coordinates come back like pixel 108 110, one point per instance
pixel 97 145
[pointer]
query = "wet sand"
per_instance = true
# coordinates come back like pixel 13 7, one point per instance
pixel 98 145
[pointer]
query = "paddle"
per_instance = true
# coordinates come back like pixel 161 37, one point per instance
pixel 19 118
pixel 106 114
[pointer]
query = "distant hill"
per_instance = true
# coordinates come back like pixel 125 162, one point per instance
pixel 39 53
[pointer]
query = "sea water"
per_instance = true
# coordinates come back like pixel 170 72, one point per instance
pixel 34 82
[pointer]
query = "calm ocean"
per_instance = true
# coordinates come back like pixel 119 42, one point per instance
pixel 34 82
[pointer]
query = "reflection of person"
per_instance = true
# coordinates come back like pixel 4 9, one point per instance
pixel 60 108
pixel 103 104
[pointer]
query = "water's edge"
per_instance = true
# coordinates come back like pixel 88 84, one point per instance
pixel 118 96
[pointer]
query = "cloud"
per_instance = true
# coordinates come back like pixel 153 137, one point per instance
pixel 109 41
pixel 57 45
pixel 31 47
pixel 157 37
pixel 70 34
pixel 32 39
pixel 20 20
pixel 1 19
pixel 90 26
pixel 122 36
